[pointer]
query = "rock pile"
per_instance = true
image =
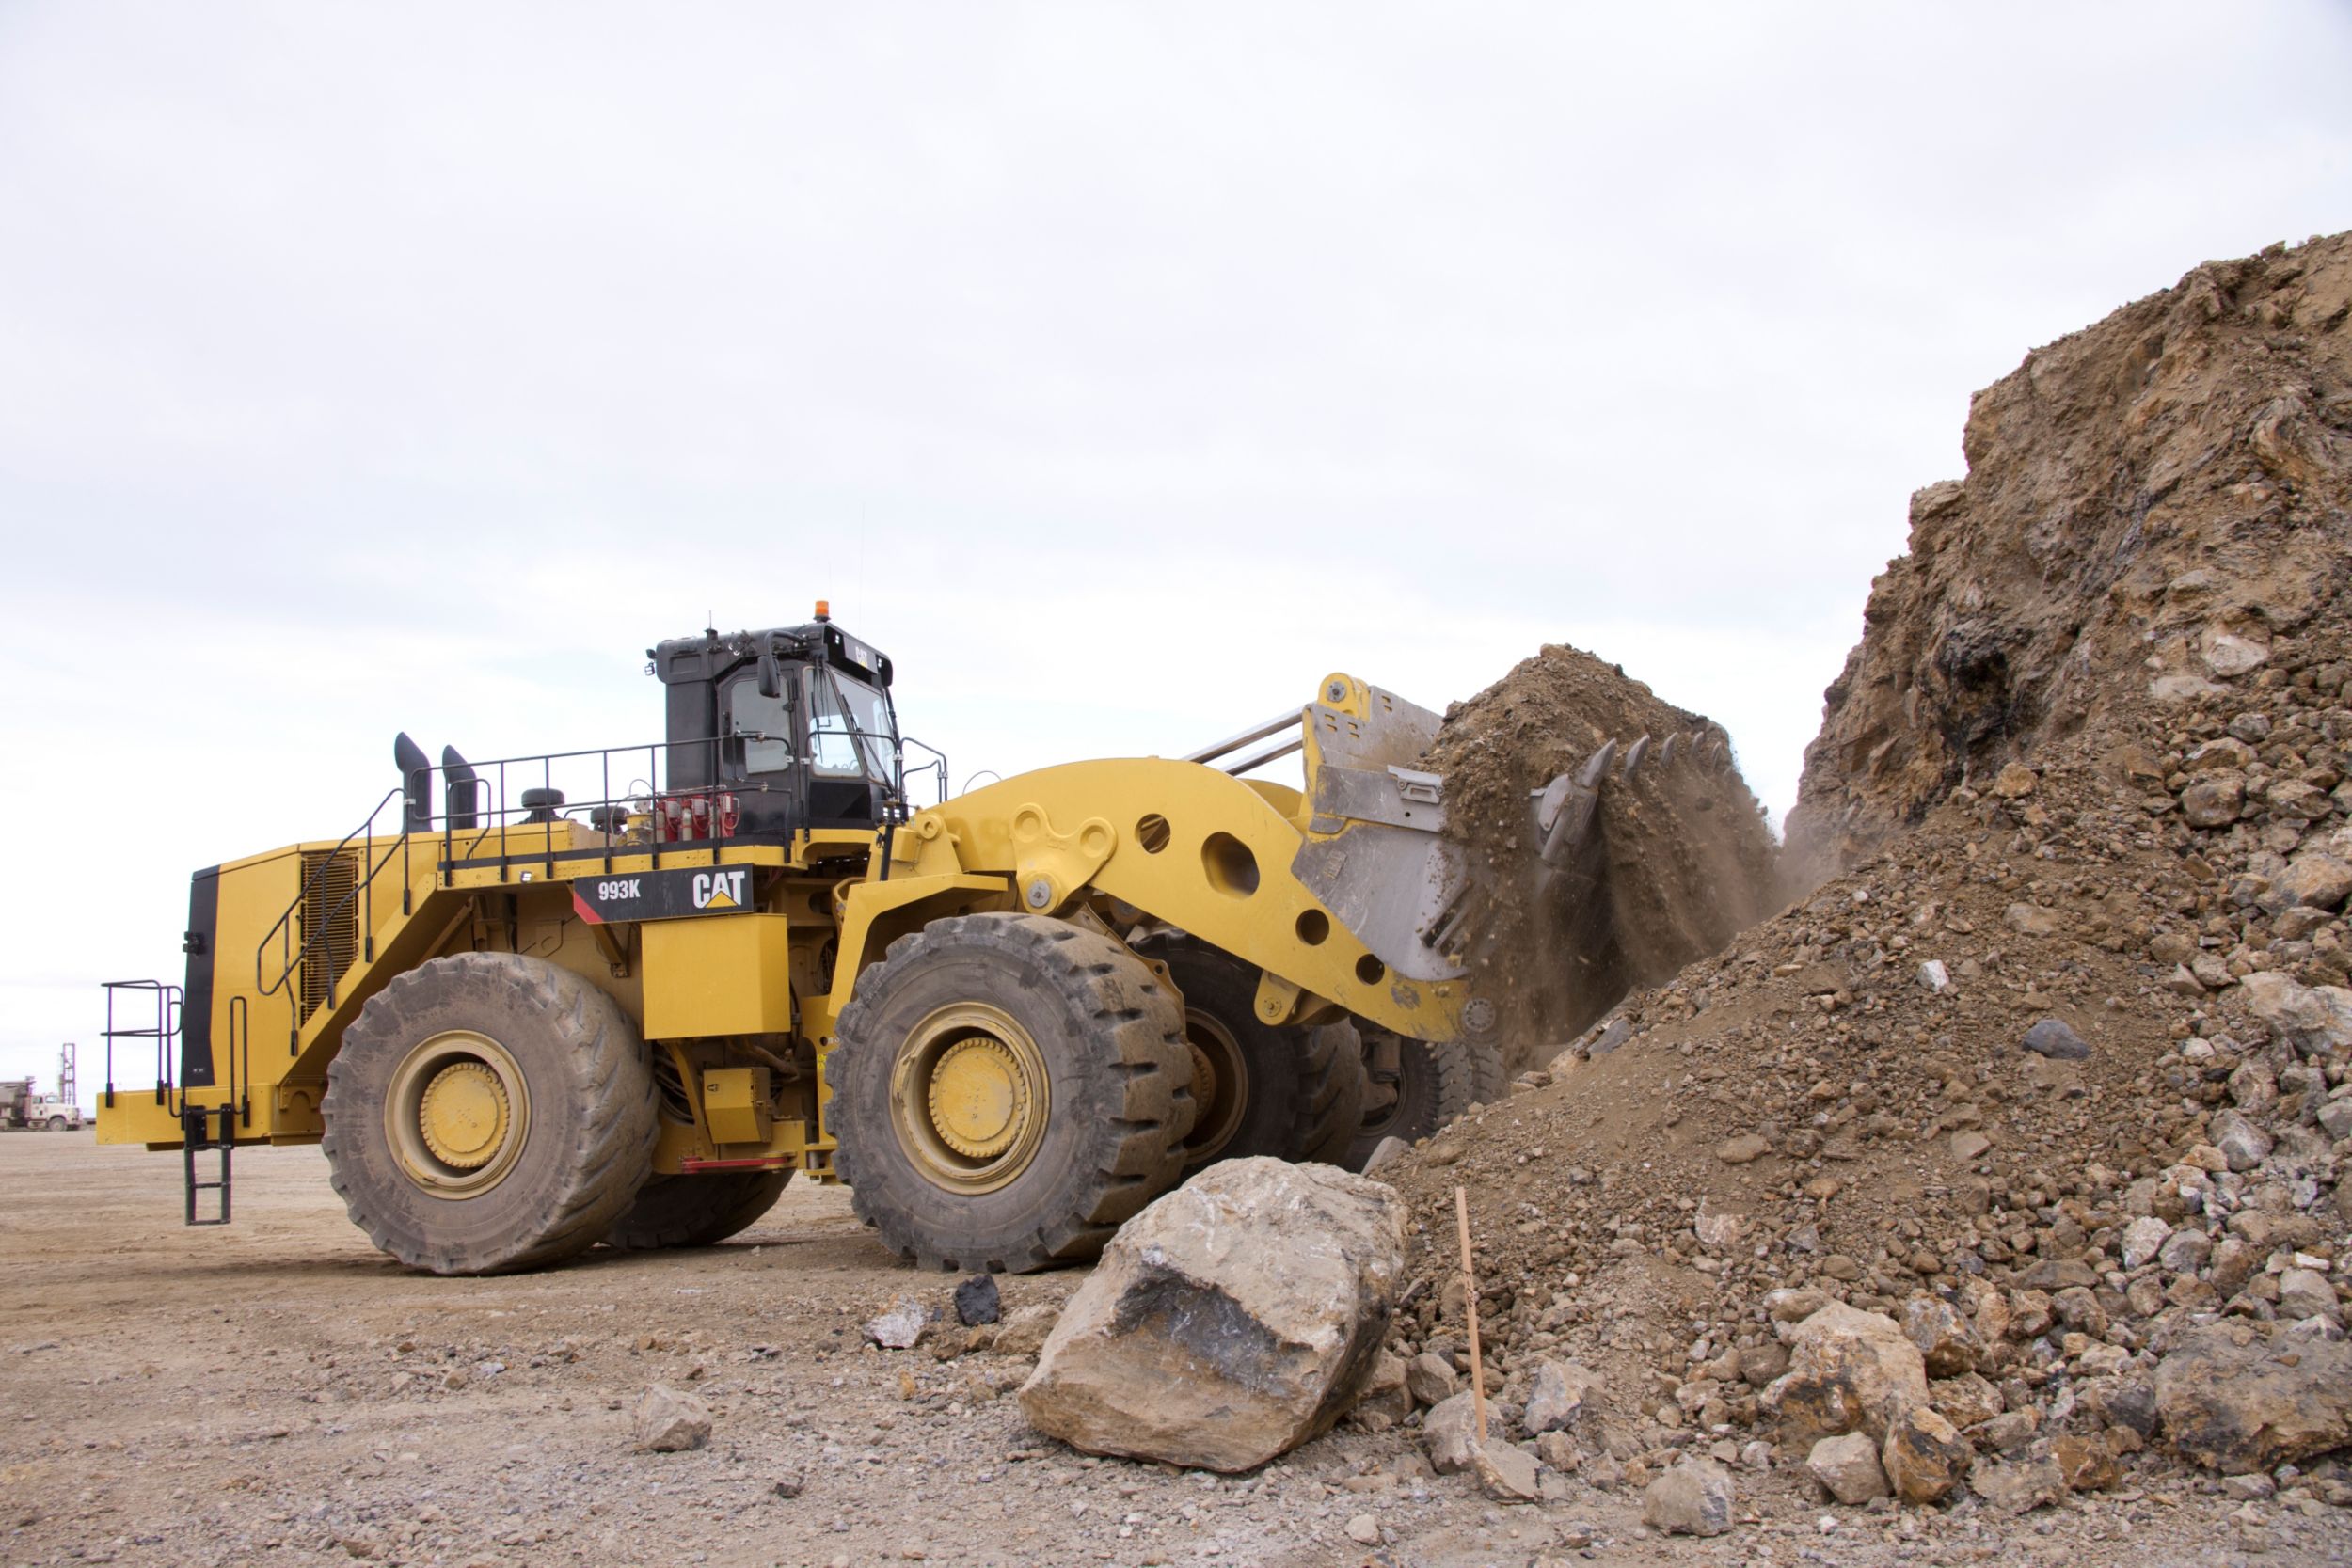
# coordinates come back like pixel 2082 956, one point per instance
pixel 2019 1146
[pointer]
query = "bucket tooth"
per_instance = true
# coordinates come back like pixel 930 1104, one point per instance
pixel 1549 800
pixel 1568 806
pixel 1634 754
pixel 1666 750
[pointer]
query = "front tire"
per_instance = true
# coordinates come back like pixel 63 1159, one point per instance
pixel 56 1124
pixel 1007 1089
pixel 488 1113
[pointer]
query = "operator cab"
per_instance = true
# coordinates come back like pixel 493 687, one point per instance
pixel 795 722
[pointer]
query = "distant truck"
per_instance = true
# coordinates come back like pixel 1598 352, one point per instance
pixel 23 1109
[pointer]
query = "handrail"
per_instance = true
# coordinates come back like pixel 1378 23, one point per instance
pixel 490 777
pixel 166 1030
pixel 937 767
pixel 283 930
pixel 1258 731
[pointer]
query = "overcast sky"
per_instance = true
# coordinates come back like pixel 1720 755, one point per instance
pixel 1120 370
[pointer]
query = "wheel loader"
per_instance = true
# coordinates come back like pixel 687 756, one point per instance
pixel 618 996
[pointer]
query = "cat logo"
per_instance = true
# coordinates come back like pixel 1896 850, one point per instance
pixel 720 889
pixel 672 894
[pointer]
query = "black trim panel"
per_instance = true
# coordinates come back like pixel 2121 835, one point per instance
pixel 195 1013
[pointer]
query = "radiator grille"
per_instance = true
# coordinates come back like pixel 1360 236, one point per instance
pixel 330 922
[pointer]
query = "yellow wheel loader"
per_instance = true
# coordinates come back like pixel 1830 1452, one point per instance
pixel 620 995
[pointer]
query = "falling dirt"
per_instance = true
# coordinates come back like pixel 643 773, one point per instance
pixel 1681 859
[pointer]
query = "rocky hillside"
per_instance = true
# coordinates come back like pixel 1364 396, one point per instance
pixel 2016 1157
pixel 2152 506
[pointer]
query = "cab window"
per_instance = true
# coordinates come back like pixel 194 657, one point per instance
pixel 844 716
pixel 761 726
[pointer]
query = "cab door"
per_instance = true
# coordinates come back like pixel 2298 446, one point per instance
pixel 760 757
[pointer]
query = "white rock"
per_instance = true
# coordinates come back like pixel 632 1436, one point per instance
pixel 900 1325
pixel 2306 1293
pixel 1719 1232
pixel 1933 976
pixel 2228 655
pixel 2183 688
pixel 2241 1142
pixel 2143 1239
pixel 1564 1398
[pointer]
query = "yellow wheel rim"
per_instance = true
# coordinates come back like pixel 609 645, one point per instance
pixel 977 1099
pixel 463 1114
pixel 1220 1087
pixel 969 1098
pixel 457 1114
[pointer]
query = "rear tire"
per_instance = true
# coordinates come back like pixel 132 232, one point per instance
pixel 1435 1084
pixel 488 1113
pixel 697 1211
pixel 1007 1088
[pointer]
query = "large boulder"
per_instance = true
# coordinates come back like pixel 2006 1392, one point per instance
pixel 1229 1322
pixel 2239 1397
pixel 1848 1371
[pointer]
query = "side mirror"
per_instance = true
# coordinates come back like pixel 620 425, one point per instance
pixel 771 675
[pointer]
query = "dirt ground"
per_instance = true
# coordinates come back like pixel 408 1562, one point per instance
pixel 278 1392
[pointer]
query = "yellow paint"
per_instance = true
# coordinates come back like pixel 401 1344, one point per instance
pixel 1221 872
pixel 735 1102
pixel 463 1115
pixel 977 1099
pixel 717 975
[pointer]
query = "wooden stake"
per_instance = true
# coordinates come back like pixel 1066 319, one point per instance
pixel 1470 1314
